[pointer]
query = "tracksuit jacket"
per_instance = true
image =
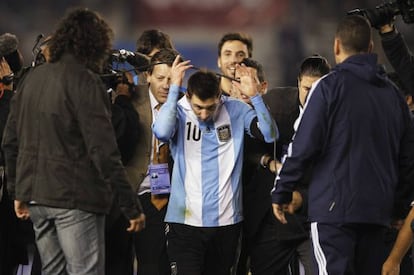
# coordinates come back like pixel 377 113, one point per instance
pixel 356 130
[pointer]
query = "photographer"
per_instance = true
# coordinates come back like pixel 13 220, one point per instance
pixel 398 54
pixel 9 252
pixel 125 120
pixel 15 236
pixel 124 117
pixel 382 18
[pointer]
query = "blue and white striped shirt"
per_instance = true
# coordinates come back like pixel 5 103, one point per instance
pixel 208 157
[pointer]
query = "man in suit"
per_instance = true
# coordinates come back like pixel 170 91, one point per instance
pixel 150 244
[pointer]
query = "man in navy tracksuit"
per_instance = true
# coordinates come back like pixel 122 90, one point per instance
pixel 357 133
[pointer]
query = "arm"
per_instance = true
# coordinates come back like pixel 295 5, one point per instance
pixel 10 149
pixel 249 86
pixel 165 124
pixel 266 124
pixel 400 248
pixel 4 112
pixel 94 116
pixel 398 54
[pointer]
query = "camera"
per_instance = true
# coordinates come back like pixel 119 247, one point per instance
pixel 139 61
pixel 385 12
pixel 112 75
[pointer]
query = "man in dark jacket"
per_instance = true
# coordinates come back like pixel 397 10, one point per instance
pixel 357 133
pixel 62 161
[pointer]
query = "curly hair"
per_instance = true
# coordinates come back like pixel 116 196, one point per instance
pixel 85 35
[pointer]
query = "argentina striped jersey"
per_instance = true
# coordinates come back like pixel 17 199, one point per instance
pixel 208 157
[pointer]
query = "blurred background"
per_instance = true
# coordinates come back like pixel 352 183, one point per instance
pixel 283 31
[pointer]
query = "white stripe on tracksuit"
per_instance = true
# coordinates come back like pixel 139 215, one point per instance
pixel 317 250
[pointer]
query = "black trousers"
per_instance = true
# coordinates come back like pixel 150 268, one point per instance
pixel 9 253
pixel 270 252
pixel 202 250
pixel 150 243
pixel 119 257
pixel 272 256
pixel 15 236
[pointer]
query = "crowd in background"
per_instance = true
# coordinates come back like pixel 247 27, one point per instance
pixel 157 128
pixel 300 27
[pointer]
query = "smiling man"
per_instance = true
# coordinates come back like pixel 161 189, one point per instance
pixel 232 49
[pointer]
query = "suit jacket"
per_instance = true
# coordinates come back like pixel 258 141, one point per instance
pixel 283 103
pixel 284 107
pixel 138 164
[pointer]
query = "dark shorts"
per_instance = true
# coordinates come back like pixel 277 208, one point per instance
pixel 202 250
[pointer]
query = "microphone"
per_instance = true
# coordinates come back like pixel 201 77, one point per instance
pixel 8 50
pixel 8 44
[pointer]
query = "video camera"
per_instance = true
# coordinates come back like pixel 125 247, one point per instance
pixel 139 61
pixel 385 12
pixel 113 75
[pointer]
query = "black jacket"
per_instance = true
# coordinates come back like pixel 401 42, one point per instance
pixel 258 182
pixel 400 58
pixel 126 124
pixel 59 143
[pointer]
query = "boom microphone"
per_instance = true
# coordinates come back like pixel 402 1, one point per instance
pixel 8 44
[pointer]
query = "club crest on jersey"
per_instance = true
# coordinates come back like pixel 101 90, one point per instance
pixel 224 133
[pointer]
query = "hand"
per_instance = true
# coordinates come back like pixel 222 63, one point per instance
pixel 390 268
pixel 178 70
pixel 279 213
pixel 296 202
pixel 249 84
pixel 274 166
pixel 21 209
pixel 386 28
pixel 137 224
pixel 235 92
pixel 5 71
pixel 4 68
